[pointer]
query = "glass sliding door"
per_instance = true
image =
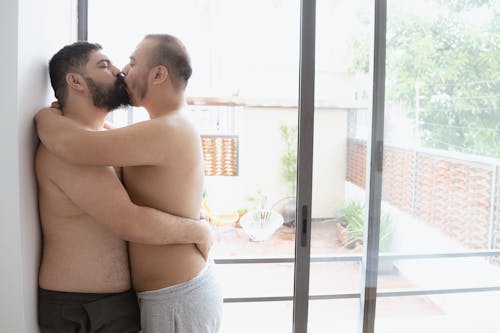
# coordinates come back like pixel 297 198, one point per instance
pixel 338 211
pixel 397 204
pixel 243 97
pixel 440 169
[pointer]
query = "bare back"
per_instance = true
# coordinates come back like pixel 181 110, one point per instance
pixel 79 254
pixel 175 186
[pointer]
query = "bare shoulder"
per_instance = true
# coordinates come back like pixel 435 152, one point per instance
pixel 180 127
pixel 177 120
pixel 180 138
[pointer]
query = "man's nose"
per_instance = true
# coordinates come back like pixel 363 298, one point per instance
pixel 115 70
pixel 125 69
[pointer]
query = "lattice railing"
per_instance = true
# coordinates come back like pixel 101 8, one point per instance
pixel 460 197
pixel 220 153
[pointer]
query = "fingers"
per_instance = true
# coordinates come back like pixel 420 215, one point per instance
pixel 206 246
pixel 205 250
pixel 108 125
pixel 55 105
pixel 205 237
pixel 203 215
pixel 56 110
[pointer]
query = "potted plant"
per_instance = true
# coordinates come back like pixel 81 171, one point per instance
pixel 350 232
pixel 287 205
pixel 350 227
pixel 241 212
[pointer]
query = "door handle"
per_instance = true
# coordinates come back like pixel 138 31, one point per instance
pixel 304 231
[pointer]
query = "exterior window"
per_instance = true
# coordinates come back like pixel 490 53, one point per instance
pixel 438 235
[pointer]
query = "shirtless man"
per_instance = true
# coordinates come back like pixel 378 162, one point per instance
pixel 86 214
pixel 163 168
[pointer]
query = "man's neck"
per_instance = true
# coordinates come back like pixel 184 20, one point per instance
pixel 86 114
pixel 163 104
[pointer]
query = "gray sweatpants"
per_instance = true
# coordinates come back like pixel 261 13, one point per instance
pixel 194 306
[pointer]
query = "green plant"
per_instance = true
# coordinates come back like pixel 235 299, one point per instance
pixel 289 158
pixel 257 201
pixel 242 211
pixel 443 69
pixel 353 221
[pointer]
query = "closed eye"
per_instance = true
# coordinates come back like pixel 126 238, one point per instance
pixel 131 62
pixel 104 63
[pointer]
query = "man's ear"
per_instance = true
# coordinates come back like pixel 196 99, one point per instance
pixel 159 73
pixel 75 81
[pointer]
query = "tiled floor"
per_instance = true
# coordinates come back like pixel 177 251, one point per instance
pixel 257 280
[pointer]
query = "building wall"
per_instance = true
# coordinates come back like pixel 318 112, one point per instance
pixel 260 149
pixel 455 193
pixel 31 31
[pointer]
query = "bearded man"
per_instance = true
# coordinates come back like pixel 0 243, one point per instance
pixel 86 214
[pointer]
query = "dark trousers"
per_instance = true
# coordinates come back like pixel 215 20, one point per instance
pixel 66 312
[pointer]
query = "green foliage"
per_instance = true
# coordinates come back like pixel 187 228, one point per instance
pixel 360 61
pixel 289 158
pixel 461 5
pixel 258 200
pixel 444 67
pixel 242 211
pixel 353 219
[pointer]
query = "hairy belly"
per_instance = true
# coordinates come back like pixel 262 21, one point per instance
pixel 155 267
pixel 85 271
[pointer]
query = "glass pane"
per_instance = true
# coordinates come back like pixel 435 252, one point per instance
pixel 334 278
pixel 463 313
pixel 251 280
pixel 341 94
pixel 257 317
pixel 242 96
pixel 441 159
pixel 326 316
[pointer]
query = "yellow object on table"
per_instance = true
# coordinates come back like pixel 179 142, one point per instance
pixel 223 219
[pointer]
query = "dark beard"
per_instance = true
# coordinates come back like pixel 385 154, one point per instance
pixel 111 97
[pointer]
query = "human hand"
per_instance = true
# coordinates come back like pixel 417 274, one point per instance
pixel 204 215
pixel 49 122
pixel 108 125
pixel 55 105
pixel 207 238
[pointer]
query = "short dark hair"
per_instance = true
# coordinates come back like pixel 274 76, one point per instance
pixel 70 59
pixel 171 53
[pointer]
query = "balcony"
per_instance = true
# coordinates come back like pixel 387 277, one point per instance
pixel 440 255
pixel 441 88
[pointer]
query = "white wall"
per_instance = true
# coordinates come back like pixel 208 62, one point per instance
pixel 260 151
pixel 31 31
pixel 11 288
pixel 329 161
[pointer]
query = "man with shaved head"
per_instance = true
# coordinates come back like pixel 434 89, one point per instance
pixel 162 168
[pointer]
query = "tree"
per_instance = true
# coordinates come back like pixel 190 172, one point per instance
pixel 289 158
pixel 445 69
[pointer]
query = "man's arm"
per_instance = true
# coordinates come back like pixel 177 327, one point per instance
pixel 99 193
pixel 143 143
